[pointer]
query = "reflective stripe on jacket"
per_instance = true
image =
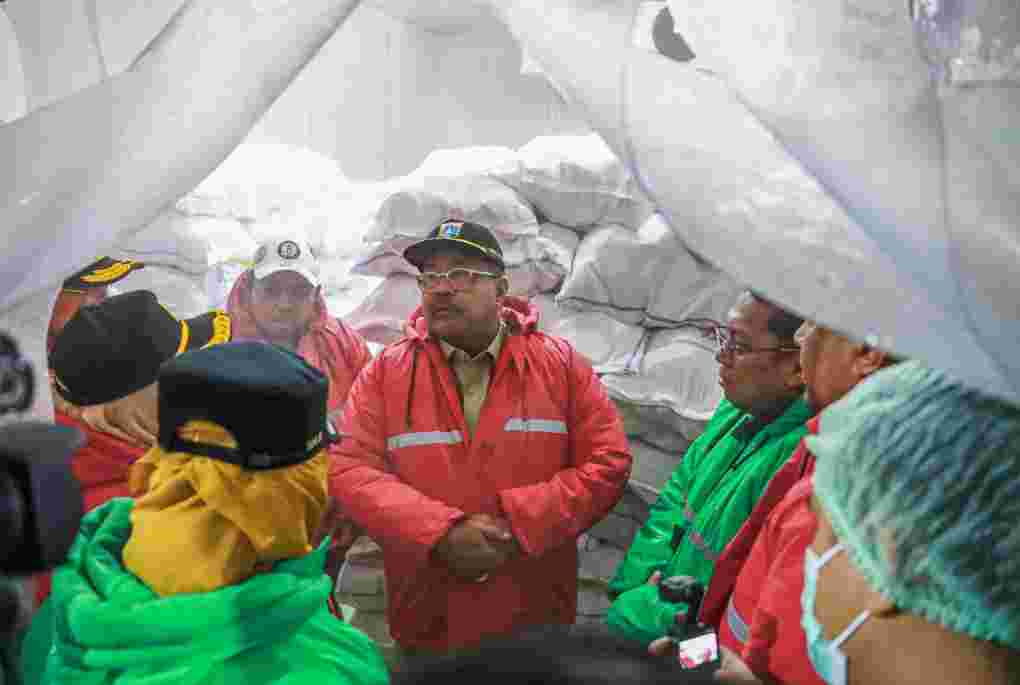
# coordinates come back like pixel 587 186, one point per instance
pixel 762 620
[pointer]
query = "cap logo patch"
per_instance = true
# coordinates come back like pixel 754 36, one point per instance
pixel 288 250
pixel 260 254
pixel 450 230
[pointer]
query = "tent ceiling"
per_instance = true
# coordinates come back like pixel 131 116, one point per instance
pixel 439 16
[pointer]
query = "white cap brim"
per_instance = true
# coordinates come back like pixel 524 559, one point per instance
pixel 270 269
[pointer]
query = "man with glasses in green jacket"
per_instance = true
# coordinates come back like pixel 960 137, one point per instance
pixel 712 492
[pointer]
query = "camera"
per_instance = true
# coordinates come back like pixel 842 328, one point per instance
pixel 695 645
pixel 40 499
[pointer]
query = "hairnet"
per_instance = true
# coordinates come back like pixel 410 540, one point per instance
pixel 920 477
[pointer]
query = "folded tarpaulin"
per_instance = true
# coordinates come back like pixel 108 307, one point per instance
pixel 854 162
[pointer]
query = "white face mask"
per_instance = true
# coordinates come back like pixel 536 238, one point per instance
pixel 827 658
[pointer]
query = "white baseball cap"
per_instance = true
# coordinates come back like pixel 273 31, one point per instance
pixel 286 253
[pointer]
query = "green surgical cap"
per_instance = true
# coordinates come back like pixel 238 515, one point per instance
pixel 920 478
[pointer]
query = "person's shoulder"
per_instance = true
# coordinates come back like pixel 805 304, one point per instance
pixel 550 347
pixel 397 356
pixel 793 509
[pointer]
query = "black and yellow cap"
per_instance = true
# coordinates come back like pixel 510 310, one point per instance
pixel 101 273
pixel 270 402
pixel 470 237
pixel 114 348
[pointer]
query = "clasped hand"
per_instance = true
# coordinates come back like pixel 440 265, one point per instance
pixel 477 545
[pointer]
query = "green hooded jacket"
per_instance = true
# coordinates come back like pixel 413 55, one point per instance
pixel 104 625
pixel 709 496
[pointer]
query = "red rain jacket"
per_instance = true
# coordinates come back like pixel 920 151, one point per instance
pixel 549 454
pixel 760 618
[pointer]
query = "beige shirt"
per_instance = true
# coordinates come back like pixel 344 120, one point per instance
pixel 473 375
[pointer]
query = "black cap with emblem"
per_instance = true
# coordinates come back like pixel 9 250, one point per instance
pixel 271 401
pixel 114 348
pixel 466 236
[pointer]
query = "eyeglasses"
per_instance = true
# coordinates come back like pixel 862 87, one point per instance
pixel 727 344
pixel 274 293
pixel 459 279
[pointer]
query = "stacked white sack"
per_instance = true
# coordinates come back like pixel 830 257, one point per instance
pixel 453 184
pixel 535 263
pixel 673 394
pixel 178 251
pixel 601 550
pixel 614 272
pixel 576 181
pixel 657 293
pixel 647 278
pixel 262 188
pixel 608 345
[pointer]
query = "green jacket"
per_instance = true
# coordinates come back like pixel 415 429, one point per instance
pixel 103 625
pixel 709 496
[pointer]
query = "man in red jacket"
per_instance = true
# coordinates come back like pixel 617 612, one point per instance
pixel 754 597
pixel 475 451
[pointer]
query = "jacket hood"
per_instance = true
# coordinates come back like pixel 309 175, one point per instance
pixel 108 620
pixel 519 314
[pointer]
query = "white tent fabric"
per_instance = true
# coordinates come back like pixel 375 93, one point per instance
pixel 91 168
pixel 824 165
pixel 13 96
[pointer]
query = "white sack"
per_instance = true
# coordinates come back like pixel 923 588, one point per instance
pixel 535 264
pixel 655 425
pixel 183 294
pixel 651 467
pixel 344 293
pixel 577 181
pixel 609 345
pixel 187 243
pixel 676 390
pixel 420 206
pixel 464 161
pixel 686 286
pixel 219 281
pixel 613 272
pixel 382 315
pixel 260 180
pixel 617 529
